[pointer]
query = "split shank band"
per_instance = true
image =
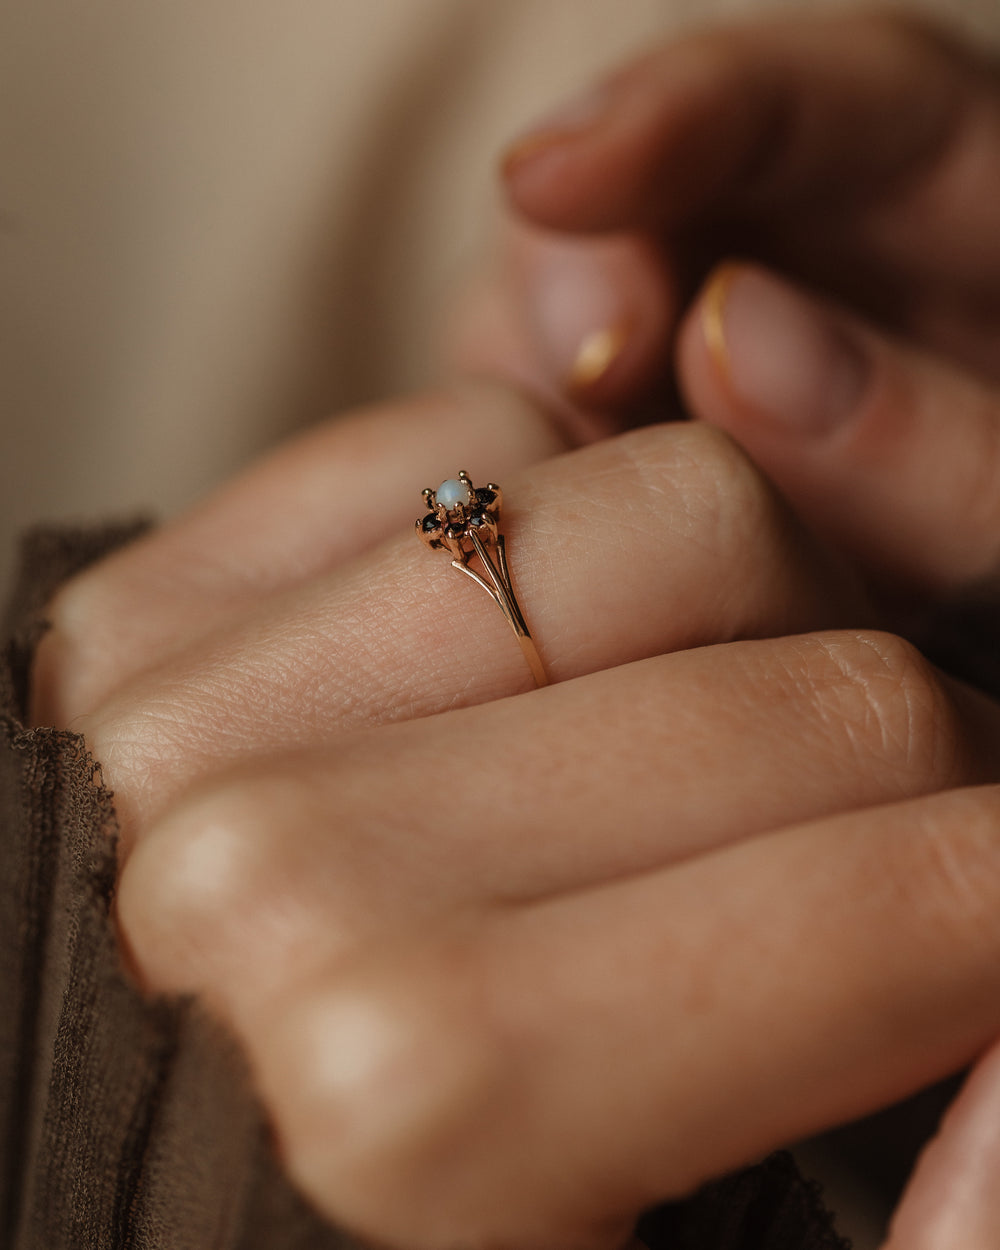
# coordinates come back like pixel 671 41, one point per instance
pixel 464 520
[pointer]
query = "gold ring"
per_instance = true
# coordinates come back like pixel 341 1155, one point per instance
pixel 465 521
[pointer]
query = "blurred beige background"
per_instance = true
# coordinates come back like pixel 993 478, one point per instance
pixel 221 219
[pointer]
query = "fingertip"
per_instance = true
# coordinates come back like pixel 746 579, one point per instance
pixel 548 171
pixel 884 448
pixel 660 138
pixel 565 125
pixel 952 1198
pixel 769 358
pixel 600 314
pixel 582 323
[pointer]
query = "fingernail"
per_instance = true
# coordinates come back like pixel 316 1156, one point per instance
pixel 574 311
pixel 594 357
pixel 781 354
pixel 567 122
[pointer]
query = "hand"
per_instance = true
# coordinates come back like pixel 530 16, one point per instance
pixel 746 142
pixel 470 954
pixel 857 153
pixel 466 970
pixel 246 628
pixel 849 424
pixel 894 455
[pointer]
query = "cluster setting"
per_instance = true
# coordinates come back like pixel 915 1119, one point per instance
pixel 464 520
pixel 460 513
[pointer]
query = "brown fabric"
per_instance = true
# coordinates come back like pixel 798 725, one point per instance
pixel 126 1123
pixel 123 1123
pixel 768 1207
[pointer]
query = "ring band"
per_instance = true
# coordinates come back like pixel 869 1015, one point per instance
pixel 465 521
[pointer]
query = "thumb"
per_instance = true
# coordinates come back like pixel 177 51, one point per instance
pixel 953 1198
pixel 887 451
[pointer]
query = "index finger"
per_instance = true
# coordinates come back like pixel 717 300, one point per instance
pixel 779 118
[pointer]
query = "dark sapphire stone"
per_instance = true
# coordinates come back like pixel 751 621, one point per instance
pixel 430 523
pixel 485 497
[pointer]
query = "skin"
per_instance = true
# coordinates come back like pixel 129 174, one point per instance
pixel 906 239
pixel 499 957
pixel 744 141
pixel 305 665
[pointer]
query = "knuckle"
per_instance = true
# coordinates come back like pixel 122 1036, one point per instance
pixel 151 744
pixel 379 1081
pixel 881 692
pixel 195 894
pixel 718 496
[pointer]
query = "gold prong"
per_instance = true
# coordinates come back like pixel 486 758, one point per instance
pixel 490 549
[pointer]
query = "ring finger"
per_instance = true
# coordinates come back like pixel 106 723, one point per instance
pixel 663 539
pixel 315 503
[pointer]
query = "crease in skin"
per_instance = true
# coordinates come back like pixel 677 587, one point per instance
pixel 310 663
pixel 882 692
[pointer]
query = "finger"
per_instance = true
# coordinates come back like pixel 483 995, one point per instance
pixel 580 321
pixel 586 782
pixel 656 541
pixel 781 117
pixel 537 1078
pixel 886 450
pixel 318 501
pixel 857 152
pixel 952 1198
